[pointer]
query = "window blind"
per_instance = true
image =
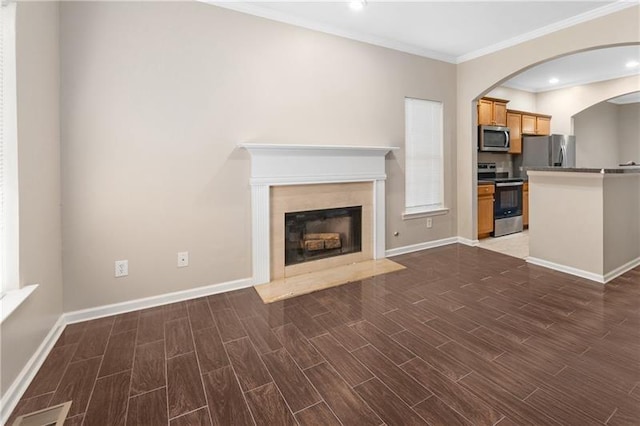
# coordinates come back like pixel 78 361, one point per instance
pixel 3 22
pixel 8 151
pixel 424 164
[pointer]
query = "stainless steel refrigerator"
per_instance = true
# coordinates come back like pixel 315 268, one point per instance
pixel 547 151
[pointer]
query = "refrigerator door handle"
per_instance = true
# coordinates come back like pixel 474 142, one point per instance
pixel 560 156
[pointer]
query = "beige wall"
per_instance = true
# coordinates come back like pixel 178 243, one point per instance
pixel 607 135
pixel 596 131
pixel 566 224
pixel 518 99
pixel 621 220
pixel 39 186
pixel 586 221
pixel 155 98
pixel 563 104
pixel 478 76
pixel 629 132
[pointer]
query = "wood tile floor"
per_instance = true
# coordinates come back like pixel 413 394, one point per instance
pixel 462 336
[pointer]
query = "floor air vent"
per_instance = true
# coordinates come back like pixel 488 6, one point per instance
pixel 52 416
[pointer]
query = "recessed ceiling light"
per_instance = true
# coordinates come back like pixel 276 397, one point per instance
pixel 357 4
pixel 553 80
pixel 632 64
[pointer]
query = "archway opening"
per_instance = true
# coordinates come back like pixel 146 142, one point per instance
pixel 529 91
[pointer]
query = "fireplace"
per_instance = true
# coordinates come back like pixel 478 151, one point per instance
pixel 321 251
pixel 319 234
pixel 305 178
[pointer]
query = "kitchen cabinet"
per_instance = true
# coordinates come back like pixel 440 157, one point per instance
pixel 485 210
pixel 500 113
pixel 514 123
pixel 536 124
pixel 543 125
pixel 528 124
pixel 485 111
pixel 525 204
pixel 492 112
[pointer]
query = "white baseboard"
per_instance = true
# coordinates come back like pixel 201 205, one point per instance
pixel 468 242
pixel 420 246
pixel 19 386
pixel 567 269
pixel 602 279
pixel 150 302
pixel 621 270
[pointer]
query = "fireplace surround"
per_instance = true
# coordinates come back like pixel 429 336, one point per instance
pixel 309 174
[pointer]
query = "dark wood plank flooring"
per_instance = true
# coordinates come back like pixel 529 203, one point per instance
pixel 463 336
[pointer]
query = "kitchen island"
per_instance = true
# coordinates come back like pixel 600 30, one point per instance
pixel 585 221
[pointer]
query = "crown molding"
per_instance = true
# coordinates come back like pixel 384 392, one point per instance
pixel 557 26
pixel 262 12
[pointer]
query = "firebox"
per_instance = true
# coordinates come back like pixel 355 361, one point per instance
pixel 318 234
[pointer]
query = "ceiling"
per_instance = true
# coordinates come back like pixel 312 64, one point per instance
pixel 452 31
pixel 579 68
pixel 456 31
pixel 629 98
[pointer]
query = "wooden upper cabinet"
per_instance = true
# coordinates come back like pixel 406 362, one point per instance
pixel 543 125
pixel 492 112
pixel 528 124
pixel 514 123
pixel 485 112
pixel 500 113
pixel 536 124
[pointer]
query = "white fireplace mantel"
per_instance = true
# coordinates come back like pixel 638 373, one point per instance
pixel 300 164
pixel 279 164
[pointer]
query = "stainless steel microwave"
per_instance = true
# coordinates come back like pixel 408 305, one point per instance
pixel 493 138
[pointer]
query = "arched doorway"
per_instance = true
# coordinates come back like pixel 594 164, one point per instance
pixel 480 75
pixel 601 144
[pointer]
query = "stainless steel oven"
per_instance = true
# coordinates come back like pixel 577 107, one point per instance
pixel 507 205
pixel 507 208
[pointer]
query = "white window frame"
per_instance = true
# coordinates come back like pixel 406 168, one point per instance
pixel 11 295
pixel 424 145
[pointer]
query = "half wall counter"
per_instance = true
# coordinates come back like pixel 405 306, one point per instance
pixel 585 222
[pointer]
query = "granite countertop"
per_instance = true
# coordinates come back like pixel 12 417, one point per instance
pixel 490 182
pixel 617 170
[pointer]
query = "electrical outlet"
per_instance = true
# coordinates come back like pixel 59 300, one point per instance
pixel 122 268
pixel 183 259
pixel 429 222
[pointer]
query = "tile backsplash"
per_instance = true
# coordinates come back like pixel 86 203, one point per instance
pixel 504 162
